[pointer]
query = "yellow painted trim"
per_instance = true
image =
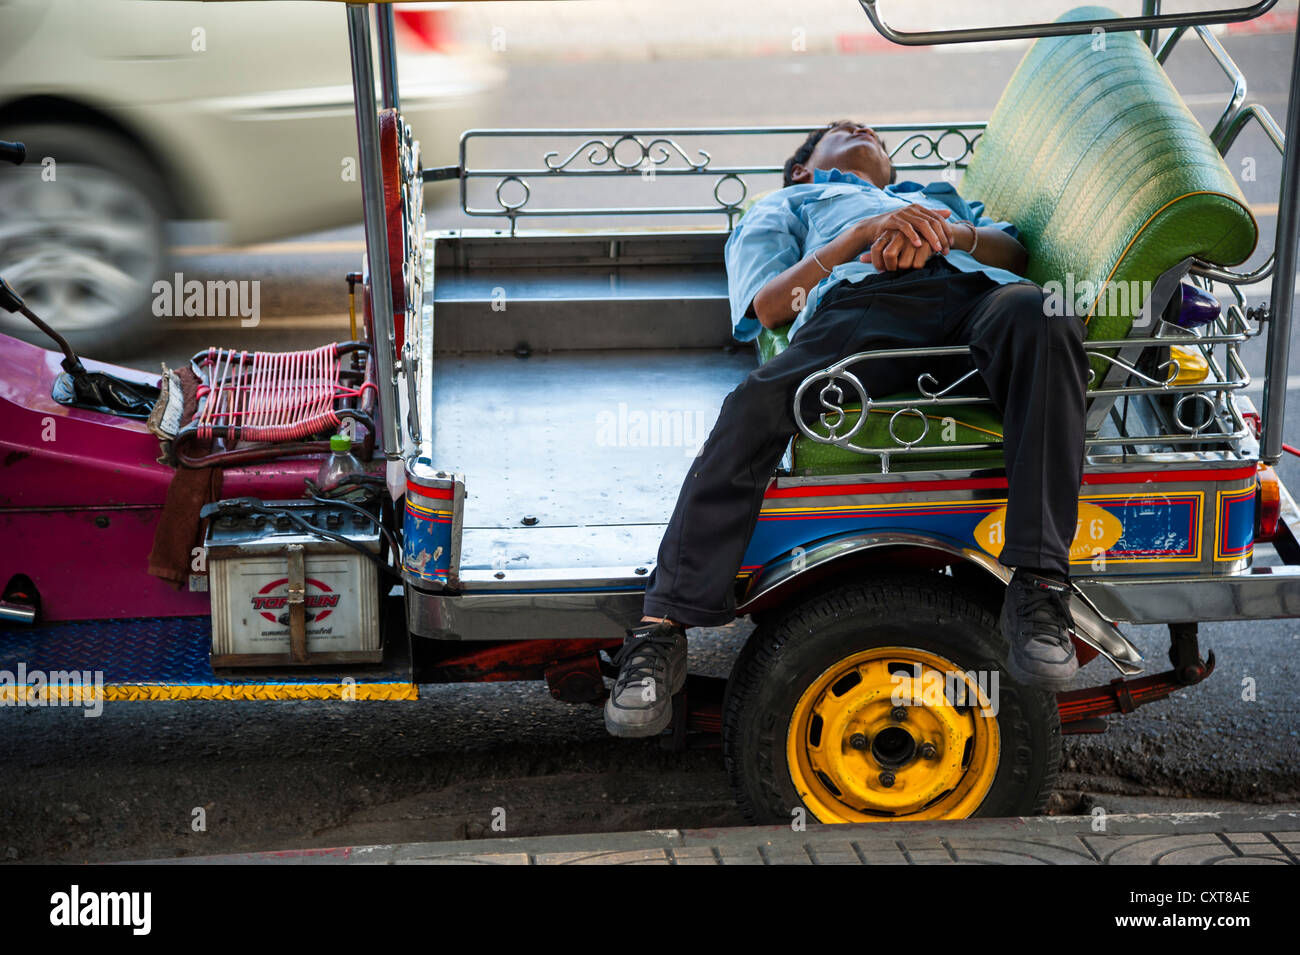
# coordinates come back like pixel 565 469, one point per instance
pixel 427 510
pixel 894 505
pixel 134 692
pixel 1151 218
pixel 995 503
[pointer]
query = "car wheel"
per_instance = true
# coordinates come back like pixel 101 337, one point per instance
pixel 82 236
pixel 886 700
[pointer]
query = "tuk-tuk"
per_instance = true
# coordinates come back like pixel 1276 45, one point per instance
pixel 521 404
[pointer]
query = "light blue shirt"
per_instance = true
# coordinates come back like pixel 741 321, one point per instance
pixel 780 229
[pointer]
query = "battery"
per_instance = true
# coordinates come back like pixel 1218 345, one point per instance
pixel 254 560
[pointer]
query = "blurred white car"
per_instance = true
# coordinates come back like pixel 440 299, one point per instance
pixel 153 110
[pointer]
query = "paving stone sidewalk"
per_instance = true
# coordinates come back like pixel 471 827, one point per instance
pixel 1263 838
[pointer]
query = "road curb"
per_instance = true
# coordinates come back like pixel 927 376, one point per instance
pixel 1259 838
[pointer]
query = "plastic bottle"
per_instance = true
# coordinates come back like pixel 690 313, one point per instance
pixel 339 464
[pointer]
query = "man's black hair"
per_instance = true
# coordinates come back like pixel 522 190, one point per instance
pixel 805 151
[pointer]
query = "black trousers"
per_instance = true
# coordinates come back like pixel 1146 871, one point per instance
pixel 1032 365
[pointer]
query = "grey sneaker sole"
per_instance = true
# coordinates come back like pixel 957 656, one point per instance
pixel 1040 680
pixel 1024 673
pixel 635 730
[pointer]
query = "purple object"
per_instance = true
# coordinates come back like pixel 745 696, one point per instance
pixel 1198 307
pixel 81 492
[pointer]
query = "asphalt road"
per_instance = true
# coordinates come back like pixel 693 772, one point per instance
pixel 311 774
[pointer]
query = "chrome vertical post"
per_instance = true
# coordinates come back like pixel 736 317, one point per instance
pixel 387 54
pixel 372 199
pixel 1284 274
pixel 1151 35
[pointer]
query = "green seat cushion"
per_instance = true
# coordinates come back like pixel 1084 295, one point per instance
pixel 771 342
pixel 1110 181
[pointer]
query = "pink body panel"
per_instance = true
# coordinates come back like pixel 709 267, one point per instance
pixel 81 492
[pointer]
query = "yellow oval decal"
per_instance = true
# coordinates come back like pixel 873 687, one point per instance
pixel 1096 532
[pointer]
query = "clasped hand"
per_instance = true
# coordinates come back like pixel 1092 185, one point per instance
pixel 906 238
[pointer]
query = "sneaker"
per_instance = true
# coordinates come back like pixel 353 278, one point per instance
pixel 1037 623
pixel 653 655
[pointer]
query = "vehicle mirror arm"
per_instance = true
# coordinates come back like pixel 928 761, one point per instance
pixel 11 301
pixel 84 388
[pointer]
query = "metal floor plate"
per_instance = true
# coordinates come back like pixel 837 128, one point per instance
pixel 579 440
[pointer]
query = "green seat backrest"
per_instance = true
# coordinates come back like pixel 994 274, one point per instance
pixel 1107 175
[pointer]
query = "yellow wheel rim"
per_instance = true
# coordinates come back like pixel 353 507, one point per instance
pixel 845 735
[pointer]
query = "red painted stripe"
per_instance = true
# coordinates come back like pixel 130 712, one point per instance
pixel 968 484
pixel 1136 477
pixel 834 490
pixel 437 492
pixel 903 511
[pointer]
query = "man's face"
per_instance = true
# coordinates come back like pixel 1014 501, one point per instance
pixel 850 147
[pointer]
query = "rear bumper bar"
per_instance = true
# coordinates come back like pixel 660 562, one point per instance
pixel 1264 593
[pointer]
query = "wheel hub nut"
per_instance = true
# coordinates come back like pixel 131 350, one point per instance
pixel 858 741
pixel 886 779
pixel 929 751
pixel 898 714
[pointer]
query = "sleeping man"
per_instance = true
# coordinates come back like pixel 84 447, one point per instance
pixel 852 262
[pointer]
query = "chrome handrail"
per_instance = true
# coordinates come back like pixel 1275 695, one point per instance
pixel 1231 329
pixel 1232 120
pixel 1225 62
pixel 660 151
pixel 1061 28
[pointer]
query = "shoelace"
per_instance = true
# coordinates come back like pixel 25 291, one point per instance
pixel 642 661
pixel 1048 610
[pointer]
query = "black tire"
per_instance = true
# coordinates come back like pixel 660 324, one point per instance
pixel 134 195
pixel 788 656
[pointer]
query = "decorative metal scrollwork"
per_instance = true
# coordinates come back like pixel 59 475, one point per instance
pixel 1171 364
pixel 616 153
pixel 512 207
pixel 655 152
pixel 1210 405
pixel 928 146
pixel 925 426
pixel 834 415
pixel 831 397
pixel 926 391
pixel 717 190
